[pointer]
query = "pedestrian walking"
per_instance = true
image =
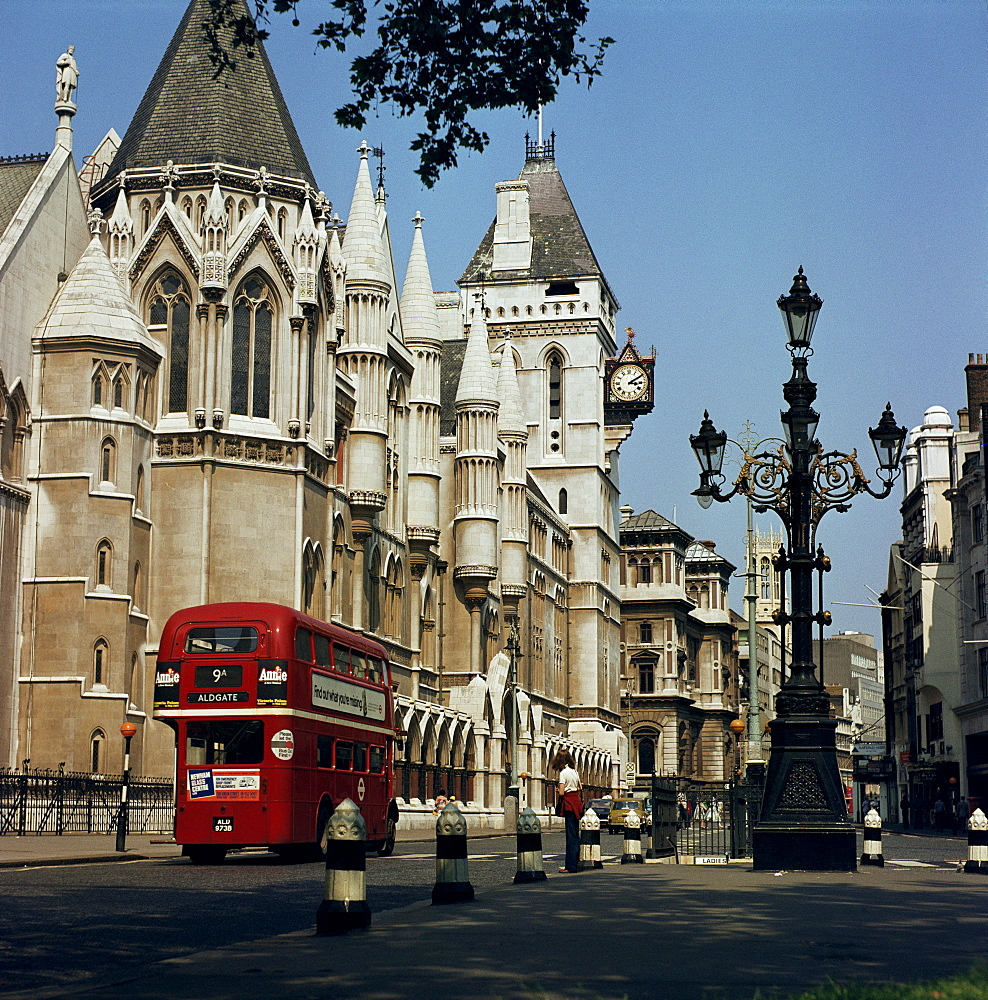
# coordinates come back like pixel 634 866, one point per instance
pixel 904 805
pixel 939 814
pixel 569 806
pixel 961 815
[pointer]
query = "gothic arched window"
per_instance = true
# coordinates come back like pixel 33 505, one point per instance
pixel 250 374
pixel 169 320
pixel 104 564
pixel 554 370
pixel 563 502
pixel 107 461
pixel 96 742
pixel 766 569
pixel 101 656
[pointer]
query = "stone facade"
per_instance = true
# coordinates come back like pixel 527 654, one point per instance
pixel 231 397
pixel 680 657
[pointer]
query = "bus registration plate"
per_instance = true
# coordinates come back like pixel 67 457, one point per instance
pixel 222 824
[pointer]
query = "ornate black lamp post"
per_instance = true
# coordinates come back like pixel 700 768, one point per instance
pixel 803 822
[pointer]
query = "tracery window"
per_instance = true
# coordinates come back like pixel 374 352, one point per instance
pixel 169 320
pixel 250 375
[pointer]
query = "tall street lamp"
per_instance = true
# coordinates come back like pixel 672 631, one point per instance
pixel 803 822
pixel 127 731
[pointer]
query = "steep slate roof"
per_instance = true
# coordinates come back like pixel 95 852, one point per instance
pixel 17 174
pixel 187 116
pixel 451 361
pixel 560 248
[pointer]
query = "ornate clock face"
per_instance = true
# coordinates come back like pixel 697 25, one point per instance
pixel 629 382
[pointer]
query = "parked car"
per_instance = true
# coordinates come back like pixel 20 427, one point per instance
pixel 619 809
pixel 602 807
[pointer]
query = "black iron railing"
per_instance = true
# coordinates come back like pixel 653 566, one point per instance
pixel 57 802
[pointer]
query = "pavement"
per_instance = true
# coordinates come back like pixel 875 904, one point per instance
pixel 640 932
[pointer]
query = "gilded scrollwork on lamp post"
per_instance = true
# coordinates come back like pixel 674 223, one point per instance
pixel 803 821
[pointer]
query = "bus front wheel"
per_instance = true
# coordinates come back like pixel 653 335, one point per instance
pixel 204 855
pixel 388 847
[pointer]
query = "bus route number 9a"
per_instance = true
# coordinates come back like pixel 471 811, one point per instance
pixel 208 675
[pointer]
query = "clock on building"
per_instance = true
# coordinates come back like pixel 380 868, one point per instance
pixel 628 383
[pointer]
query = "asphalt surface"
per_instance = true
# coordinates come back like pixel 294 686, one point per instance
pixel 82 929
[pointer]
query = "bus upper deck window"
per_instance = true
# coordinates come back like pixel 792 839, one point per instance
pixel 303 645
pixel 359 664
pixel 375 669
pixel 341 658
pixel 221 639
pixel 322 650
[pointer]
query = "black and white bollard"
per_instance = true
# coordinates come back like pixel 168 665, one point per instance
pixel 530 868
pixel 589 842
pixel 344 907
pixel 977 843
pixel 871 849
pixel 452 877
pixel 632 839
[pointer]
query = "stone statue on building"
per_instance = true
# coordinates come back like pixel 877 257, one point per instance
pixel 67 78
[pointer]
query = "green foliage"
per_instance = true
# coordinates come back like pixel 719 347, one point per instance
pixel 443 58
pixel 972 986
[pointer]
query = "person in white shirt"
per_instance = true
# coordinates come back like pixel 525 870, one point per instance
pixel 569 806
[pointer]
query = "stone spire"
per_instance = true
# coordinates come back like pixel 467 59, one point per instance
pixel 511 416
pixel 477 374
pixel 418 301
pixel 121 231
pixel 307 240
pixel 363 246
pixel 214 241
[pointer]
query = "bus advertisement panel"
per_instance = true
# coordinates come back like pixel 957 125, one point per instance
pixel 278 717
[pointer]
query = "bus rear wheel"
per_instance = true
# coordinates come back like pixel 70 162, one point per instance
pixel 204 855
pixel 387 848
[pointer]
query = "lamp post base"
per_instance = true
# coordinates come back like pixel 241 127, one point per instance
pixel 824 848
pixel 803 824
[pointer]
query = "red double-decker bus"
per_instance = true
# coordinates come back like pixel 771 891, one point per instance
pixel 278 717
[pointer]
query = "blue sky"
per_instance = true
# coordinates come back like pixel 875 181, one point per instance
pixel 726 144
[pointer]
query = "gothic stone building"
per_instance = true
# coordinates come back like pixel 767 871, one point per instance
pixel 227 395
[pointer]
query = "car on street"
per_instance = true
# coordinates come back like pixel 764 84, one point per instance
pixel 602 807
pixel 619 810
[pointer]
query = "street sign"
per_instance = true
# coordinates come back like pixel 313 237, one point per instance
pixel 716 859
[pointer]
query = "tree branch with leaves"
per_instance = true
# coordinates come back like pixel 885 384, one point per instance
pixel 445 59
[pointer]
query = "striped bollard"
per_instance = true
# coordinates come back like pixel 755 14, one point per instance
pixel 589 831
pixel 977 843
pixel 871 849
pixel 530 868
pixel 632 839
pixel 344 907
pixel 452 878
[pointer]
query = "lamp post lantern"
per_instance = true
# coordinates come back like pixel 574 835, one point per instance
pixel 803 822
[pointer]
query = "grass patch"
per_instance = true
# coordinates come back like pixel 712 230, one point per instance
pixel 969 986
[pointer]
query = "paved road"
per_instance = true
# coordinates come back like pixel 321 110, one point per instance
pixel 68 927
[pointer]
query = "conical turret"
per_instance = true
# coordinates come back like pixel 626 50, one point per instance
pixel 362 243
